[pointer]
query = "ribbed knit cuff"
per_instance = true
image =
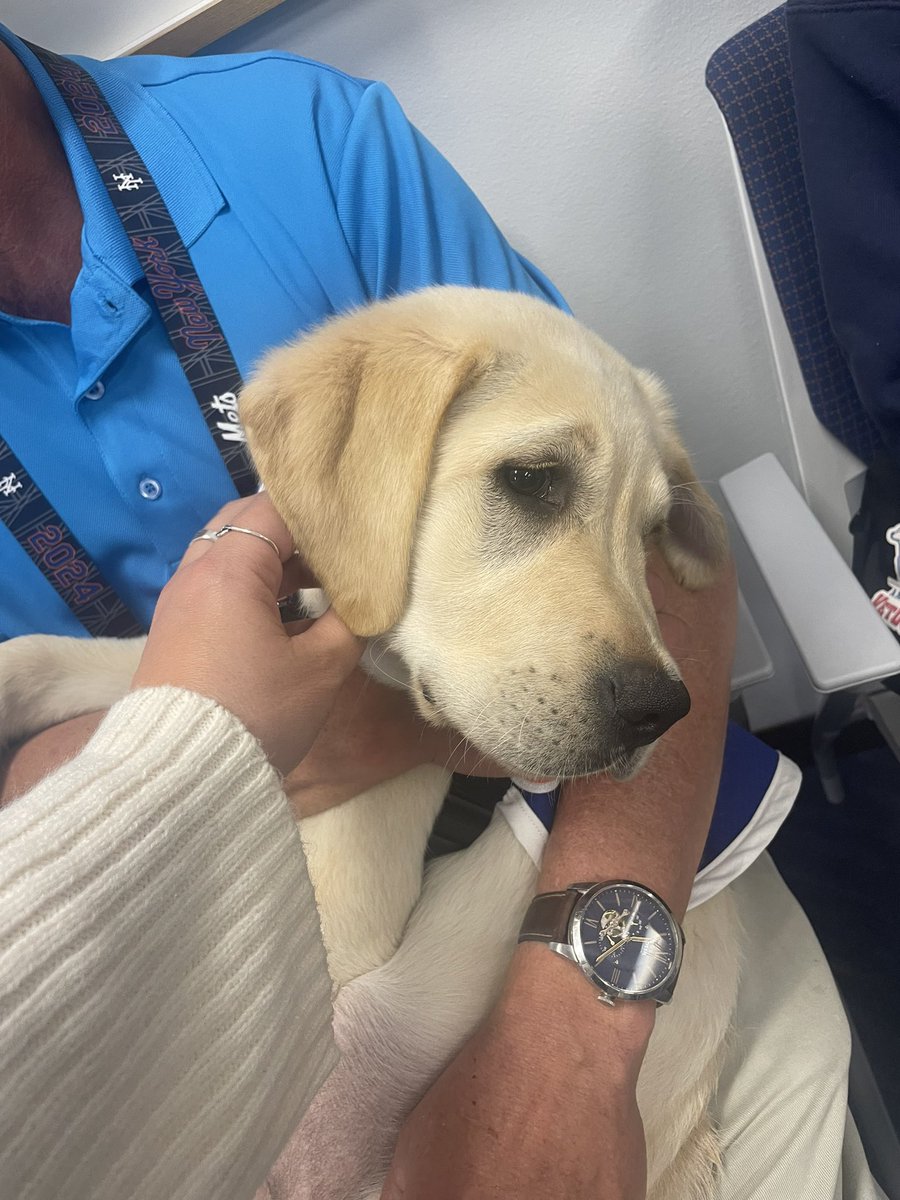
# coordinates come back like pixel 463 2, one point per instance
pixel 165 1013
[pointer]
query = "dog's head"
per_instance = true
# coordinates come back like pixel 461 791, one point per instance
pixel 477 477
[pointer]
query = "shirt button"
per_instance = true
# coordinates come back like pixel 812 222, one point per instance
pixel 150 489
pixel 95 392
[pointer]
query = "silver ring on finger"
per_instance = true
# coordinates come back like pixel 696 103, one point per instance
pixel 213 535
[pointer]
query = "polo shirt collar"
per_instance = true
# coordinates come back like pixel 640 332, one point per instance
pixel 184 181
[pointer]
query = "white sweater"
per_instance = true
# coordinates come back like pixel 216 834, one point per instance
pixel 165 1012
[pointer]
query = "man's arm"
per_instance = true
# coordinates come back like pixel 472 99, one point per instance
pixel 653 828
pixel 410 219
pixel 542 1101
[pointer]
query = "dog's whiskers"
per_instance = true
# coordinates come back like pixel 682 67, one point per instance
pixel 377 660
pixel 455 750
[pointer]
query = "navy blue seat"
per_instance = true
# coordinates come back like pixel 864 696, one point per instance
pixel 750 78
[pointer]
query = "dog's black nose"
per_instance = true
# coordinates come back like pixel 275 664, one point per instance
pixel 646 702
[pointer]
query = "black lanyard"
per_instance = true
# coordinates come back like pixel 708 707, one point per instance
pixel 192 328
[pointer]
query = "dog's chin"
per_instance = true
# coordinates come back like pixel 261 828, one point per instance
pixel 626 766
pixel 619 766
pixel 543 766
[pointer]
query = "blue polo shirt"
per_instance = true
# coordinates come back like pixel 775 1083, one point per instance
pixel 300 192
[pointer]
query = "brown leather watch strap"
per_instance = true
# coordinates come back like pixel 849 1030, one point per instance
pixel 547 918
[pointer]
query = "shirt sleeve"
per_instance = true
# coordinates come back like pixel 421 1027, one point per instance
pixel 411 221
pixel 165 1006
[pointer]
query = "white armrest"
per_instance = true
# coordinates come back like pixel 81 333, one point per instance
pixel 839 636
pixel 752 662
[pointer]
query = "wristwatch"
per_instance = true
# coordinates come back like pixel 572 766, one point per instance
pixel 621 935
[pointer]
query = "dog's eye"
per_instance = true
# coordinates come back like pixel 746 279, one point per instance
pixel 542 488
pixel 530 481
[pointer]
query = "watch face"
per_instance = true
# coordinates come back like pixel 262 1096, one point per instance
pixel 627 940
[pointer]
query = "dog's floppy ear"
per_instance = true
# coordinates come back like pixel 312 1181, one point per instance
pixel 342 426
pixel 695 541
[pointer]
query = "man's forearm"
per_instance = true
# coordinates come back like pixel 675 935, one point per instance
pixel 650 829
pixel 28 763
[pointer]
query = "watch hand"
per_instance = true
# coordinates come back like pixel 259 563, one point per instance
pixel 630 921
pixel 618 946
pixel 611 950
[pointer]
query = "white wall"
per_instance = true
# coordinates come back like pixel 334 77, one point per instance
pixel 99 28
pixel 587 130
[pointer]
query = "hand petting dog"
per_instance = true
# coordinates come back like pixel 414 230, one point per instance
pixel 278 682
pixel 281 680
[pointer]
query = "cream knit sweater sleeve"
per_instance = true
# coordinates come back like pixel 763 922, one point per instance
pixel 165 1013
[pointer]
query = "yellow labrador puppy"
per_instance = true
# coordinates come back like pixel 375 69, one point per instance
pixel 475 479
